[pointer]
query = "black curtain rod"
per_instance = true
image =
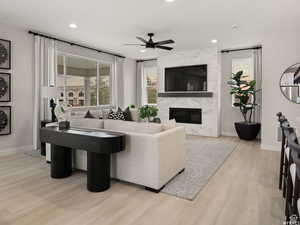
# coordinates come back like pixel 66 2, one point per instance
pixel 72 43
pixel 241 49
pixel 145 60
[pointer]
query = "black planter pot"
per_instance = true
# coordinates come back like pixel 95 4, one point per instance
pixel 247 131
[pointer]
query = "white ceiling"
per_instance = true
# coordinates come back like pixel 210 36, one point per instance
pixel 108 24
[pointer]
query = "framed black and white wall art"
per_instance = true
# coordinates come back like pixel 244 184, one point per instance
pixel 5 87
pixel 5 120
pixel 5 54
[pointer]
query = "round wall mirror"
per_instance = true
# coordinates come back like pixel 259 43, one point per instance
pixel 290 83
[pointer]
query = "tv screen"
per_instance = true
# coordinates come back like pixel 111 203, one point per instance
pixel 186 78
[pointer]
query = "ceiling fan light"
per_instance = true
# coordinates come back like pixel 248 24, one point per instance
pixel 151 44
pixel 234 26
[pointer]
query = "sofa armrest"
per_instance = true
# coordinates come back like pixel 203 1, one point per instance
pixel 172 153
pixel 162 154
pixel 138 163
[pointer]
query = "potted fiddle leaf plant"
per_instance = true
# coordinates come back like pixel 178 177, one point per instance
pixel 244 93
pixel 148 112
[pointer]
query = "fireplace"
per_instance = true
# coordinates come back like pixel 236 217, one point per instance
pixel 186 115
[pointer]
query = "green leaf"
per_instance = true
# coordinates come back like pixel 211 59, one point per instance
pixel 147 111
pixel 239 74
pixel 252 83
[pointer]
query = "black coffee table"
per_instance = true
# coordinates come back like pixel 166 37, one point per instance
pixel 99 144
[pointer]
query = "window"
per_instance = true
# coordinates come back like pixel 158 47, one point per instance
pixel 81 94
pixel 81 102
pixel 246 65
pixel 104 84
pixel 150 74
pixel 60 77
pixel 84 82
pixel 71 94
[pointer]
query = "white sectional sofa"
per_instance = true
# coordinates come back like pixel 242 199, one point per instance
pixel 152 157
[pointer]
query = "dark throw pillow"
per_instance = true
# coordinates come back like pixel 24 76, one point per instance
pixel 89 115
pixel 127 114
pixel 118 115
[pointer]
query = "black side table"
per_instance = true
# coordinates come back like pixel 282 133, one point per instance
pixel 99 144
pixel 43 145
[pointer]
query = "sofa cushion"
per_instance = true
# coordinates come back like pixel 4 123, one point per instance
pixel 104 113
pixel 135 114
pixel 130 126
pixel 87 123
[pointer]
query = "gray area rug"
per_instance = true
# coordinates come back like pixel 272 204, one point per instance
pixel 204 157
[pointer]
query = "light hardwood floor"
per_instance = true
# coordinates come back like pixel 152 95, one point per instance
pixel 243 192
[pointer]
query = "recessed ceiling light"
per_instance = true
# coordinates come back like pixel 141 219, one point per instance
pixel 169 0
pixel 234 26
pixel 73 25
pixel 214 41
pixel 143 50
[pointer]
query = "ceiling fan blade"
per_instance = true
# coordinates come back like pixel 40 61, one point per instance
pixel 142 39
pixel 164 47
pixel 135 44
pixel 164 42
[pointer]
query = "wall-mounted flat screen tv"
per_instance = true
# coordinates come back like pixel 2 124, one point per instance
pixel 186 78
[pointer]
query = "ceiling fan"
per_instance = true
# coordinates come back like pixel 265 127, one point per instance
pixel 151 44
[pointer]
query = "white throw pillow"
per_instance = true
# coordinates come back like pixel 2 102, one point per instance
pixel 135 115
pixel 169 124
pixel 105 113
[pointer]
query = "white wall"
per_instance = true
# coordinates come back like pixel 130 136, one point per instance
pixel 22 90
pixel 129 82
pixel 280 50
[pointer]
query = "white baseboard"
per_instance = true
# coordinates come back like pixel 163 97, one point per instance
pixel 270 147
pixel 8 151
pixel 229 134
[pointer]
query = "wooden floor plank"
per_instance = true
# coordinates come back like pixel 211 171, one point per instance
pixel 243 192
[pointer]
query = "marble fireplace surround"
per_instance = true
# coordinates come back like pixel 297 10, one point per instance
pixel 209 126
pixel 208 101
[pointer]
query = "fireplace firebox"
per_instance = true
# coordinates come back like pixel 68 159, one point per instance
pixel 186 115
